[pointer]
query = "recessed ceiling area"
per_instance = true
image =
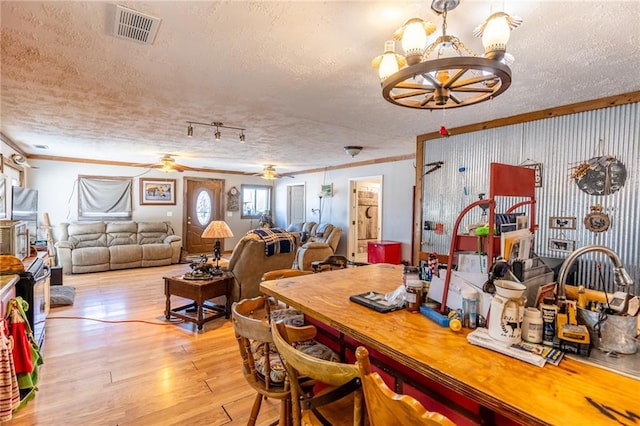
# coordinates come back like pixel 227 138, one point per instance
pixel 296 75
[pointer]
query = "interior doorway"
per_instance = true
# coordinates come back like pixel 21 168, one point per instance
pixel 365 215
pixel 295 204
pixel 203 203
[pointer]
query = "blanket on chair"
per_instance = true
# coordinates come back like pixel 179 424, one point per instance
pixel 276 240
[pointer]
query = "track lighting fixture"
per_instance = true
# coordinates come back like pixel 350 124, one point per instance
pixel 217 134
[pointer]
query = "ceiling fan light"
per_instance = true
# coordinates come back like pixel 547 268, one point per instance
pixel 352 150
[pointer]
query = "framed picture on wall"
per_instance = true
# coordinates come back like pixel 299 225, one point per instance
pixel 157 192
pixel 562 222
pixel 566 246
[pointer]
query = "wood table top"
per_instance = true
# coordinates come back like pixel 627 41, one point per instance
pixel 571 393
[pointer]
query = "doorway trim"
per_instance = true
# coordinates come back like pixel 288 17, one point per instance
pixel 352 239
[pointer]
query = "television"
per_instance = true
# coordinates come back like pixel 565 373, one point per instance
pixel 24 204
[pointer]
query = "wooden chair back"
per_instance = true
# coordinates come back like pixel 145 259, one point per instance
pixel 386 407
pixel 250 323
pixel 283 273
pixel 341 379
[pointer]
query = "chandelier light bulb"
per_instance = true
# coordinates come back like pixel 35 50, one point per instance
pixel 388 63
pixel 413 35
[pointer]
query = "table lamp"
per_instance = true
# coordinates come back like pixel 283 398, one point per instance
pixel 217 229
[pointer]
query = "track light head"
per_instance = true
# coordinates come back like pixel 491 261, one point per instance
pixel 190 130
pixel 217 135
pixel 242 137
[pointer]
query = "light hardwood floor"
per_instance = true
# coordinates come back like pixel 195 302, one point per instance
pixel 136 373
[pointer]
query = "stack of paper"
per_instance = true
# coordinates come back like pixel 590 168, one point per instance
pixel 480 337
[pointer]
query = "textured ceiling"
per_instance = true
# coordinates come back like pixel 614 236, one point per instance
pixel 296 75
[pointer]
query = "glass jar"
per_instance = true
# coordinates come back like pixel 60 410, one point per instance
pixel 410 273
pixel 413 295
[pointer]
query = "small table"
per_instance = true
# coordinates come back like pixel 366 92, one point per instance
pixel 198 291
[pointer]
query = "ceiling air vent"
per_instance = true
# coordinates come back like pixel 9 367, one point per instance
pixel 135 26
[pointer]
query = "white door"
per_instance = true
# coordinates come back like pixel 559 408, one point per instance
pixel 365 216
pixel 295 204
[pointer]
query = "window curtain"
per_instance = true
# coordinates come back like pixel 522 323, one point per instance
pixel 104 197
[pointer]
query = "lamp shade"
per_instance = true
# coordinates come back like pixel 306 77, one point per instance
pixel 217 229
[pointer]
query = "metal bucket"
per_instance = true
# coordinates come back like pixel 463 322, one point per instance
pixel 617 333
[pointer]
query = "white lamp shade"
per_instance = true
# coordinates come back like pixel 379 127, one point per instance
pixel 496 33
pixel 217 229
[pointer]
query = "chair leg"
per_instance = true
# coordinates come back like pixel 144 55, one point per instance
pixel 255 410
pixel 285 412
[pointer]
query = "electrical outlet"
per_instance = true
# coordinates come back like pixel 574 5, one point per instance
pixel 229 214
pixel 169 214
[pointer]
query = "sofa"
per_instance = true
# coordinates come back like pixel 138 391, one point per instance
pixel 320 240
pixel 249 261
pixel 103 246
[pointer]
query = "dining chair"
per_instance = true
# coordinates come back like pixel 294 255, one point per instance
pixel 261 365
pixel 386 407
pixel 336 397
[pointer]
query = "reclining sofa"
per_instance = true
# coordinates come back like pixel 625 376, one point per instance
pixel 104 246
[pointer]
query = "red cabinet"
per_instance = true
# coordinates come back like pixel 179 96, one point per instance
pixel 384 252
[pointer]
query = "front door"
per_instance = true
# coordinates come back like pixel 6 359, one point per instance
pixel 203 204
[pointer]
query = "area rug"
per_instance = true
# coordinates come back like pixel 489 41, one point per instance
pixel 62 295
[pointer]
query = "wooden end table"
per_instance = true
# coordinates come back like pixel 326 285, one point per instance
pixel 199 291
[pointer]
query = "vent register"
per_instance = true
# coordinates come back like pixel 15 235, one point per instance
pixel 135 26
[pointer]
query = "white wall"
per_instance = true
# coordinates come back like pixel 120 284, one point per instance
pixel 57 193
pixel 398 180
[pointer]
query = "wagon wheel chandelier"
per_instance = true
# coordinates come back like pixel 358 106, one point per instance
pixel 455 77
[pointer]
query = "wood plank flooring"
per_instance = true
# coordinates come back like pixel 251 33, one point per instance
pixel 129 366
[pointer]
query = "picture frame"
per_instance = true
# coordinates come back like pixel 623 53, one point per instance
pixel 157 192
pixel 564 246
pixel 562 222
pixel 522 222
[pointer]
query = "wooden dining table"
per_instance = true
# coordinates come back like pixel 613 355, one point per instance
pixel 572 393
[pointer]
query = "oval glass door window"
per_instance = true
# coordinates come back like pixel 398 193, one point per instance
pixel 203 208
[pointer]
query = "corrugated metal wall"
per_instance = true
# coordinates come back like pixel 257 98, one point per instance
pixel 558 143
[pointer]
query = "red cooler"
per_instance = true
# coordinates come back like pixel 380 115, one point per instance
pixel 384 252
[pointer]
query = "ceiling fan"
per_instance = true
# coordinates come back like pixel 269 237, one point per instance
pixel 269 173
pixel 167 164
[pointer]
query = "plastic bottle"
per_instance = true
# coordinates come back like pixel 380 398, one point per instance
pixel 532 325
pixel 469 308
pixel 549 314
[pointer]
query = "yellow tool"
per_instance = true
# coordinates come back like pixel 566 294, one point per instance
pixel 572 336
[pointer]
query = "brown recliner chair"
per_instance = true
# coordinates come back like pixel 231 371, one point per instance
pixel 323 242
pixel 248 262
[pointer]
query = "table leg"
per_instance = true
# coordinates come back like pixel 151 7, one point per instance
pixel 167 306
pixel 200 313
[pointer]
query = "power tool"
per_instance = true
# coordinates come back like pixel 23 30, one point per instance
pixel 572 337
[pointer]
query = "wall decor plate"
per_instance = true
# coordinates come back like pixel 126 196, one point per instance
pixel 601 175
pixel 597 220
